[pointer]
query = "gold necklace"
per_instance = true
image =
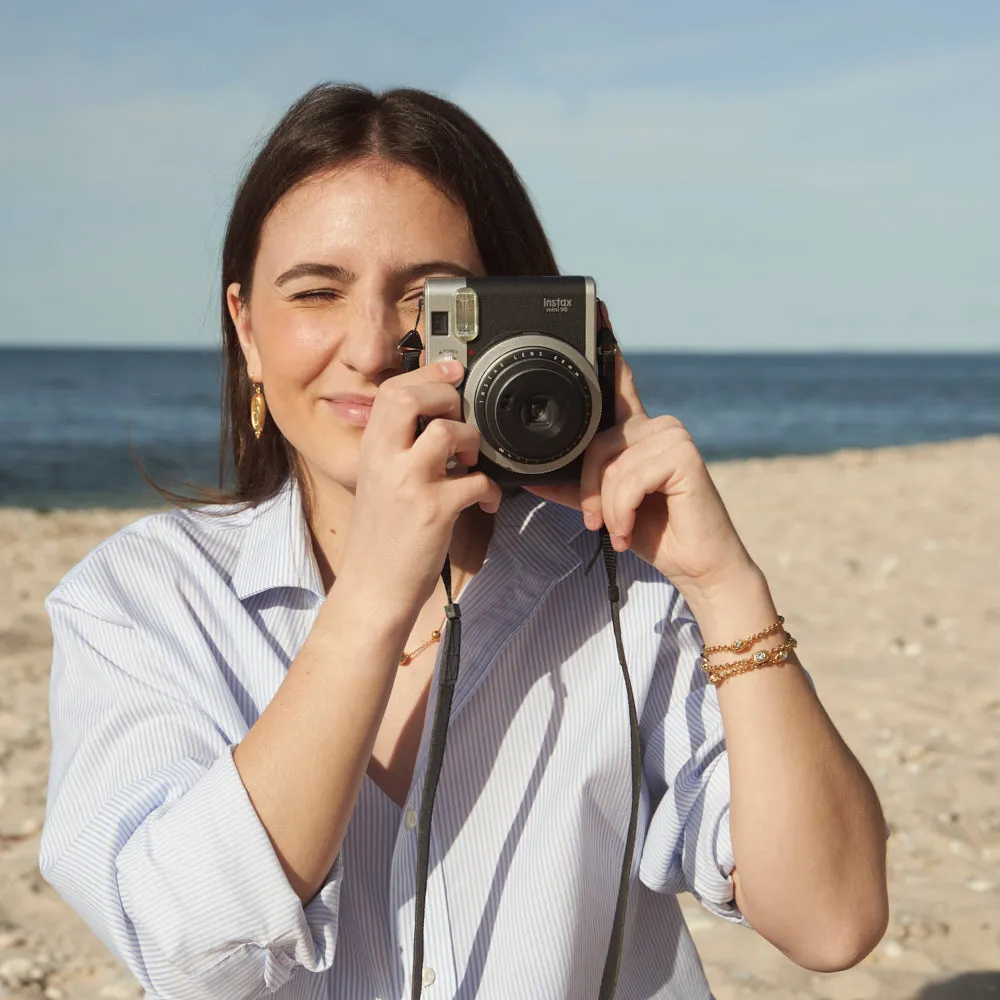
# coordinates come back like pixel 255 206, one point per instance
pixel 407 658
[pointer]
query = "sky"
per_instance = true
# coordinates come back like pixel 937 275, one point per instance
pixel 736 176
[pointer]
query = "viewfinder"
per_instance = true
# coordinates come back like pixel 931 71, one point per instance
pixel 466 315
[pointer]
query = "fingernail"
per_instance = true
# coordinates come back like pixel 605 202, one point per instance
pixel 591 520
pixel 451 368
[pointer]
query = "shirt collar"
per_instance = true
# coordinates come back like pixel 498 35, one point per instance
pixel 544 537
pixel 277 549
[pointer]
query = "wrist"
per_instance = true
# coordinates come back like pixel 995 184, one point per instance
pixel 384 602
pixel 733 607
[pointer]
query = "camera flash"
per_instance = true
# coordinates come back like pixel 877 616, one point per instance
pixel 466 315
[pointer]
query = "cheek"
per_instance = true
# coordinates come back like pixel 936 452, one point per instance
pixel 295 348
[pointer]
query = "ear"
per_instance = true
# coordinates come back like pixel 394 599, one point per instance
pixel 239 312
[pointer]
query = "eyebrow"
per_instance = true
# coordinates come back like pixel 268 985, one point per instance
pixel 432 267
pixel 309 269
pixel 334 272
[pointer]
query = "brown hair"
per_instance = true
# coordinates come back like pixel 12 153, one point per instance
pixel 330 126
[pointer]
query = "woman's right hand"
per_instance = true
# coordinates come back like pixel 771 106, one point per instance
pixel 406 504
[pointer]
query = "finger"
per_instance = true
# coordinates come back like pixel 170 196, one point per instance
pixel 437 371
pixel 627 401
pixel 646 467
pixel 473 488
pixel 443 439
pixel 401 400
pixel 604 448
pixel 447 372
pixel 602 308
pixel 626 482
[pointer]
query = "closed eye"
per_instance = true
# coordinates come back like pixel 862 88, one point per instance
pixel 316 295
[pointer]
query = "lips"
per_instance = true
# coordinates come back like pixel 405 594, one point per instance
pixel 350 398
pixel 351 409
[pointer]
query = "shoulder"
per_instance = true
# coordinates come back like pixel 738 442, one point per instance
pixel 146 559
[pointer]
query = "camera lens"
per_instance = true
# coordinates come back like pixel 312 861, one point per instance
pixel 539 413
pixel 533 406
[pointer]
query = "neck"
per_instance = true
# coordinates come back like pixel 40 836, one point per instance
pixel 331 509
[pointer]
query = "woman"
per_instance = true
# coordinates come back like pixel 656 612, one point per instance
pixel 239 692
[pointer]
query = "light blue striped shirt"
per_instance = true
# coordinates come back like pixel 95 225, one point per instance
pixel 173 635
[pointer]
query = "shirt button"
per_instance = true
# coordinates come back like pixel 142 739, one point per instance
pixel 428 976
pixel 410 819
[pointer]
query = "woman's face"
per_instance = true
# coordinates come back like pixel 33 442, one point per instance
pixel 339 271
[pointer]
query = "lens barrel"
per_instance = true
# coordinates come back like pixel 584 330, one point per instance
pixel 533 406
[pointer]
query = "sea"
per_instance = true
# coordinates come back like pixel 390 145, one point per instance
pixel 75 424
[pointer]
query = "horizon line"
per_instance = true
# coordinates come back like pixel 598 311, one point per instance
pixel 862 351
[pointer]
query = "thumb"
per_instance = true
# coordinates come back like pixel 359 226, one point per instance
pixel 627 401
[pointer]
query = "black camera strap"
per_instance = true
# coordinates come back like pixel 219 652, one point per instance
pixel 410 347
pixel 609 978
pixel 607 350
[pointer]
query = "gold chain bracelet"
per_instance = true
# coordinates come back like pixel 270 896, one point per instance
pixel 740 644
pixel 719 672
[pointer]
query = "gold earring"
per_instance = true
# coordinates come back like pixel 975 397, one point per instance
pixel 258 410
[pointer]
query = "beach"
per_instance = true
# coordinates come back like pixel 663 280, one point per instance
pixel 886 566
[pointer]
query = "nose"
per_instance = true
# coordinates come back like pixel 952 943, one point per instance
pixel 369 346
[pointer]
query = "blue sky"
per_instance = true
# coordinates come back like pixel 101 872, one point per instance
pixel 736 176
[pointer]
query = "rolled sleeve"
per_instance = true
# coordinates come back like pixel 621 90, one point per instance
pixel 687 847
pixel 716 890
pixel 151 836
pixel 207 855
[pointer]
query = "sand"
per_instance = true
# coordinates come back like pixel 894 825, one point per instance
pixel 886 565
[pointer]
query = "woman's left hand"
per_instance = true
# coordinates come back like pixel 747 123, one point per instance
pixel 645 479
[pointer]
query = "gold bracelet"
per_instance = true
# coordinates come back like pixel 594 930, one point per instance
pixel 740 644
pixel 719 672
pixel 760 656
